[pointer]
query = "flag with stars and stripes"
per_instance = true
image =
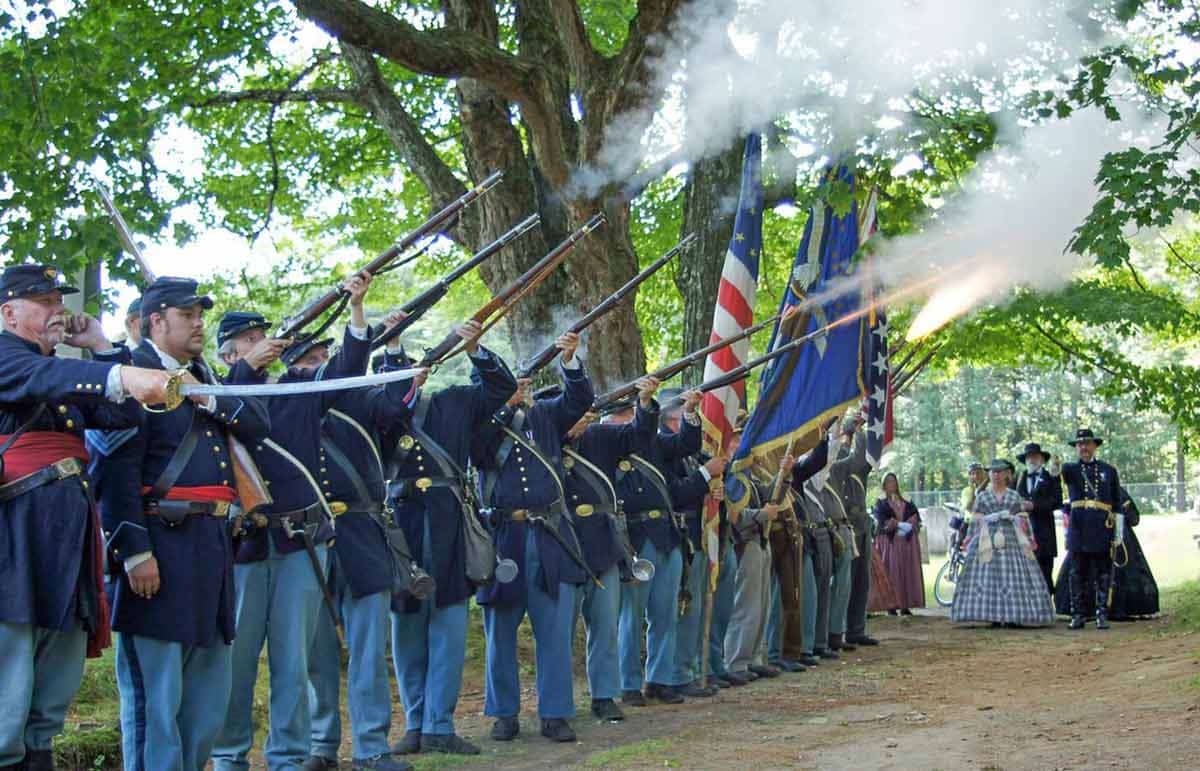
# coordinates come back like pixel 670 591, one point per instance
pixel 803 390
pixel 876 377
pixel 734 313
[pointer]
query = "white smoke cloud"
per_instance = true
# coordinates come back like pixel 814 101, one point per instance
pixel 731 66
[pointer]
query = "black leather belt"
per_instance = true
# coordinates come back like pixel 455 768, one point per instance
pixel 313 514
pixel 588 509
pixel 363 507
pixel 174 512
pixel 63 469
pixel 411 488
pixel 650 514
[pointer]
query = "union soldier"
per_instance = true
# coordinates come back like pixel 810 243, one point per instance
pixel 651 494
pixel 430 501
pixel 166 500
pixel 279 570
pixel 357 436
pixel 751 512
pixel 850 472
pixel 686 679
pixel 1042 492
pixel 520 459
pixel 133 324
pixel 785 618
pixel 53 608
pixel 590 459
pixel 1094 495
pixel 818 555
pixel 845 546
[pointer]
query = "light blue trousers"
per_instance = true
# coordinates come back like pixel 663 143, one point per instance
pixel 40 672
pixel 173 701
pixel 601 611
pixel 839 596
pixel 774 619
pixel 657 605
pixel 370 697
pixel 691 625
pixel 552 621
pixel 722 612
pixel 429 648
pixel 278 601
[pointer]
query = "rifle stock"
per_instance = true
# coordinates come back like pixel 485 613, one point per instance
pixel 309 313
pixel 547 354
pixel 515 290
pixel 251 489
pixel 420 305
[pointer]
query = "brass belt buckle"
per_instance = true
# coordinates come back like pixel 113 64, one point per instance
pixel 518 515
pixel 423 484
pixel 221 509
pixel 338 508
pixel 654 514
pixel 67 467
pixel 585 510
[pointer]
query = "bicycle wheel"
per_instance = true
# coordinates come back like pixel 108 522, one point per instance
pixel 943 585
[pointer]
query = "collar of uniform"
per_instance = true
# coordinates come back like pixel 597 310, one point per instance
pixel 167 360
pixel 17 338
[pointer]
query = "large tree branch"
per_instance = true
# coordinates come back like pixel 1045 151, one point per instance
pixel 277 96
pixel 442 52
pixel 571 31
pixel 404 133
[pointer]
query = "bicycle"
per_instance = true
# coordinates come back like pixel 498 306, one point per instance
pixel 948 574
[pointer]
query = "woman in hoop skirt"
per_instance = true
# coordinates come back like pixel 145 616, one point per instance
pixel 1001 581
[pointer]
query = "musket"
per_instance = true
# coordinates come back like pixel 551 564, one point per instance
pixel 905 379
pixel 123 233
pixel 608 401
pixel 309 313
pixel 531 367
pixel 420 305
pixel 499 305
pixel 743 371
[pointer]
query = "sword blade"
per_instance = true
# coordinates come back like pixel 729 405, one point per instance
pixel 293 389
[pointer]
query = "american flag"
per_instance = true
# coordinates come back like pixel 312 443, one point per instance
pixel 734 313
pixel 876 366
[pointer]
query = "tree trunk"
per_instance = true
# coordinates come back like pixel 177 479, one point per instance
pixel 709 204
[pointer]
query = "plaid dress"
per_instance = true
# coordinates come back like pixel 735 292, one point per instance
pixel 1001 581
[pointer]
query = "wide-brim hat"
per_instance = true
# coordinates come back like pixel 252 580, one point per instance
pixel 296 351
pixel 1084 435
pixel 1030 449
pixel 974 465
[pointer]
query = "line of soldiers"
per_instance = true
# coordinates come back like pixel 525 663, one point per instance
pixel 402 476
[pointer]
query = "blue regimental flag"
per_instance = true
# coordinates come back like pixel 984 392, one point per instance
pixel 802 390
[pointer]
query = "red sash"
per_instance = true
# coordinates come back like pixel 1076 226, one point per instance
pixel 206 493
pixel 35 450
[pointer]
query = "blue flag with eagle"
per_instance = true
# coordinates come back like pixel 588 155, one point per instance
pixel 802 390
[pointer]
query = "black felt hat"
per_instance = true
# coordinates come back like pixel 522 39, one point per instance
pixel 1084 435
pixel 1031 448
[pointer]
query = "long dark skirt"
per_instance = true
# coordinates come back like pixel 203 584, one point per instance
pixel 901 557
pixel 1135 592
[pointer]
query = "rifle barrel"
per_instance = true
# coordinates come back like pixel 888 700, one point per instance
pixel 547 354
pixel 515 289
pixel 309 313
pixel 419 305
pixel 679 365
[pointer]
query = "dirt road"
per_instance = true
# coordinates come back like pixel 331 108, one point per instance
pixel 932 696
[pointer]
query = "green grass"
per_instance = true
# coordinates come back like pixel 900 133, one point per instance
pixel 1183 603
pixel 651 751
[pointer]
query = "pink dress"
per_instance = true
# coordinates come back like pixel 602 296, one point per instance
pixel 900 552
